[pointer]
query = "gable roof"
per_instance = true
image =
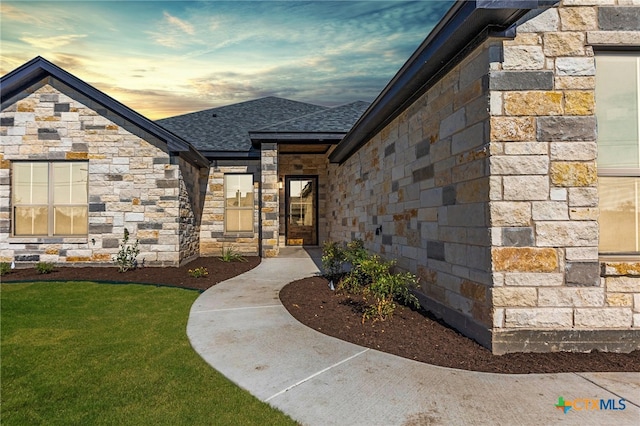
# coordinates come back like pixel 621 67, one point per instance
pixel 466 24
pixel 39 68
pixel 227 128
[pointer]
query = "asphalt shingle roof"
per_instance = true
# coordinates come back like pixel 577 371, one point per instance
pixel 339 119
pixel 227 128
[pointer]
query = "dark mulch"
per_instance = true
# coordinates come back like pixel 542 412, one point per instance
pixel 421 337
pixel 175 277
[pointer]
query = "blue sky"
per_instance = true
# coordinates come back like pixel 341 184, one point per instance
pixel 165 58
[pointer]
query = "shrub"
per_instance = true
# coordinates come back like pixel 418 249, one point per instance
pixel 198 272
pixel 5 268
pixel 231 255
pixel 126 257
pixel 370 276
pixel 355 252
pixel 333 257
pixel 387 289
pixel 44 267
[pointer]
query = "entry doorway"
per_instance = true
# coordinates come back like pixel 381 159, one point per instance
pixel 301 200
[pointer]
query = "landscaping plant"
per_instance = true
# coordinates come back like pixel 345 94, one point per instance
pixel 333 258
pixel 5 268
pixel 44 267
pixel 126 257
pixel 198 272
pixel 231 255
pixel 370 276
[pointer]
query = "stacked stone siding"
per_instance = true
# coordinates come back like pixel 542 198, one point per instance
pixel 418 192
pixel 191 180
pixel 544 197
pixel 133 183
pixel 213 238
pixel 486 188
pixel 270 205
pixel 304 165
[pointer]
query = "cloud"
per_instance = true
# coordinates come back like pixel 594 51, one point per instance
pixel 49 43
pixel 179 23
pixel 157 104
pixel 173 32
pixel 14 14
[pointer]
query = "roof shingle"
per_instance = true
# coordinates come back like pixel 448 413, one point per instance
pixel 227 128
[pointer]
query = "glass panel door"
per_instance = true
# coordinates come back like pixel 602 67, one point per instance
pixel 301 200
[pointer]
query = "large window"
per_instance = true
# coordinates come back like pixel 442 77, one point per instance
pixel 618 114
pixel 238 203
pixel 50 198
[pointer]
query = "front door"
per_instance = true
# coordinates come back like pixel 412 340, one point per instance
pixel 301 210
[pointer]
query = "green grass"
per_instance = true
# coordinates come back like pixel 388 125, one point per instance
pixel 85 353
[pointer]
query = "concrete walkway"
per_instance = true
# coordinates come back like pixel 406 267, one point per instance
pixel 242 330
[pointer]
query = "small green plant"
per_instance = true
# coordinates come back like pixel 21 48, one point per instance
pixel 44 267
pixel 126 257
pixel 5 268
pixel 333 257
pixel 370 276
pixel 355 252
pixel 231 255
pixel 198 272
pixel 386 290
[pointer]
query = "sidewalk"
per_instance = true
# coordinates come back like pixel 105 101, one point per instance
pixel 242 330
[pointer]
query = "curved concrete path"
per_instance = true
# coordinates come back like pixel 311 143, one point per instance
pixel 242 330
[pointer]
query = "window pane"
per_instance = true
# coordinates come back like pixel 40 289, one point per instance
pixel 238 190
pixel 70 220
pixel 70 183
pixel 30 183
pixel 619 216
pixel 239 220
pixel 617 110
pixel 30 220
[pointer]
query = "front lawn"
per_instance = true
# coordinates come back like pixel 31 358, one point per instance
pixel 85 353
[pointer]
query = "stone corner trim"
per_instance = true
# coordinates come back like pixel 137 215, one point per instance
pixel 524 259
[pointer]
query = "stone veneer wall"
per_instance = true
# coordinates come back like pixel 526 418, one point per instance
pixel 543 190
pixel 213 238
pixel 497 214
pixel 133 183
pixel 269 204
pixel 192 181
pixel 307 165
pixel 423 181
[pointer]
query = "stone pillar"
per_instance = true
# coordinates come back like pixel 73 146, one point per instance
pixel 269 210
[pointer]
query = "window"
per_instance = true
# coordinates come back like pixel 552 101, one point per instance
pixel 618 114
pixel 50 198
pixel 238 203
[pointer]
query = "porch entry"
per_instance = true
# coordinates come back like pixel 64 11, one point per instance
pixel 301 200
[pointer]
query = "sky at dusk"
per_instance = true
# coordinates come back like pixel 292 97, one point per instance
pixel 164 58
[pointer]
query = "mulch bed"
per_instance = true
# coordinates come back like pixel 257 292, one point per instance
pixel 419 336
pixel 174 277
pixel 411 334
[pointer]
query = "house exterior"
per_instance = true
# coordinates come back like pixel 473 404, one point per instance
pixel 501 165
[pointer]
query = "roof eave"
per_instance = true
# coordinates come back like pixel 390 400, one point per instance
pixel 232 155
pixel 459 27
pixel 257 138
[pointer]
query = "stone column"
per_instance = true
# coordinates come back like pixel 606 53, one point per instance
pixel 269 214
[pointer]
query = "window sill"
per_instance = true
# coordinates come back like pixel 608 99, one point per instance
pixel 239 234
pixel 48 240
